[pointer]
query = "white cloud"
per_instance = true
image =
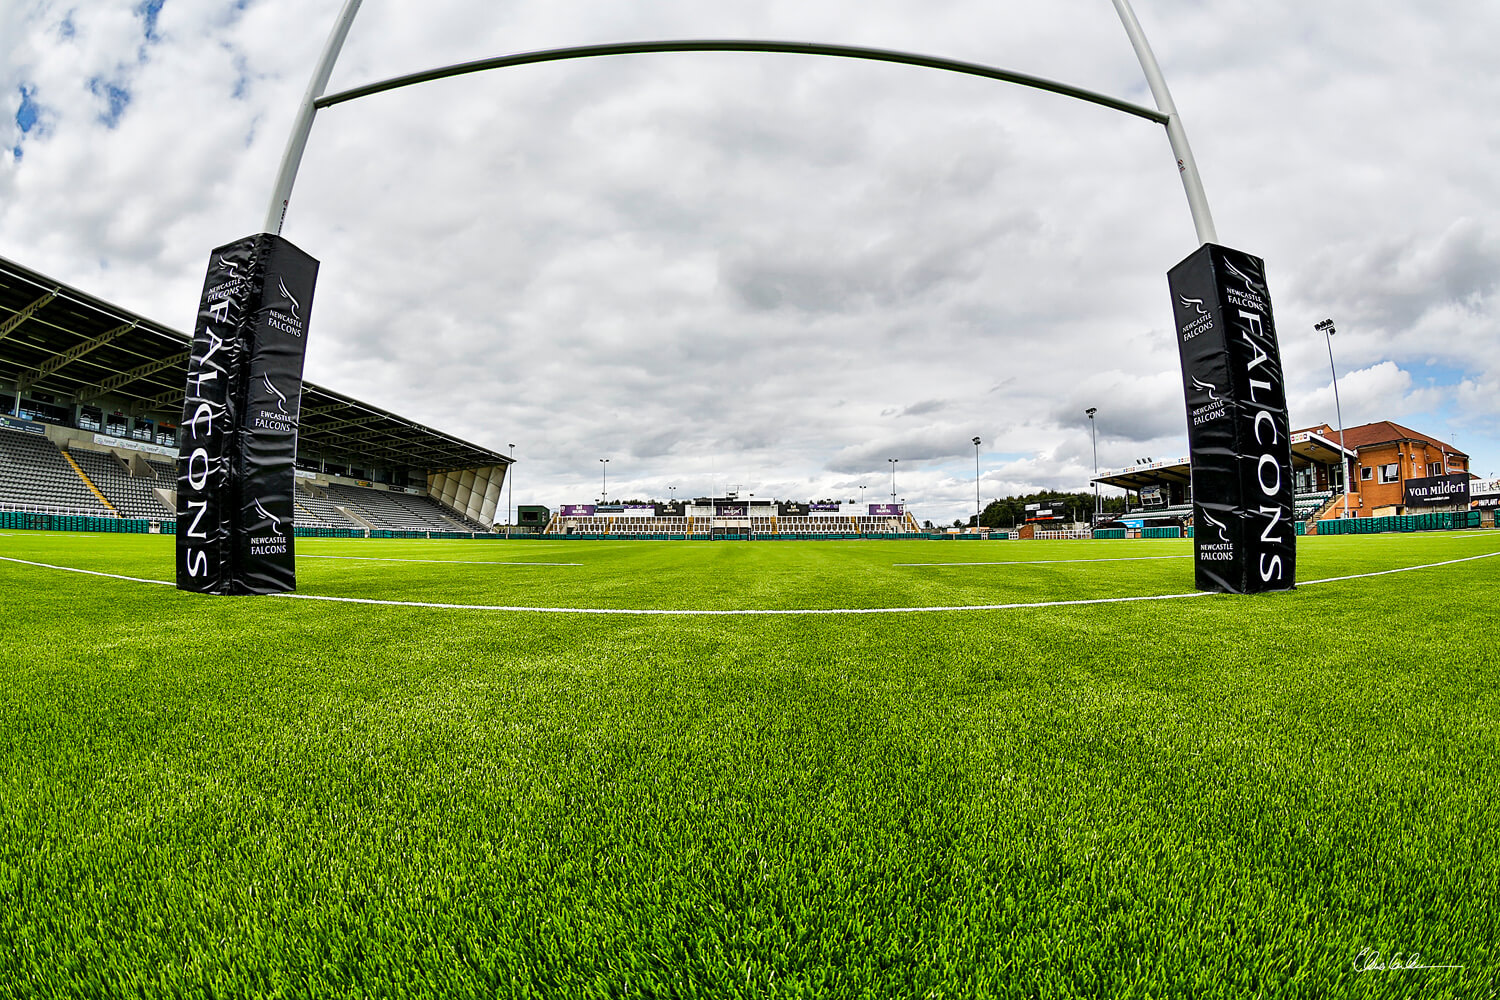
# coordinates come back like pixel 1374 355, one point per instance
pixel 1380 392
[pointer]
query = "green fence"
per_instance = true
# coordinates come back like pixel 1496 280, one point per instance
pixel 17 520
pixel 1437 521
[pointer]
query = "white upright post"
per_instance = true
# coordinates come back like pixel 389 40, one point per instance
pixel 1203 220
pixel 291 159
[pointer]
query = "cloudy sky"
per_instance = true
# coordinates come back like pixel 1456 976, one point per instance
pixel 773 273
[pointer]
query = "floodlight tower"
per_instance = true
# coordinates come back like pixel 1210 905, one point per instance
pixel 510 492
pixel 893 462
pixel 1095 439
pixel 977 508
pixel 1328 331
pixel 604 482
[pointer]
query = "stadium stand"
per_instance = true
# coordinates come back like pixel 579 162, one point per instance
pixel 35 476
pixel 131 492
pixel 1308 504
pixel 813 525
pixel 760 524
pixel 395 511
pixel 312 507
pixel 1378 459
pixel 85 383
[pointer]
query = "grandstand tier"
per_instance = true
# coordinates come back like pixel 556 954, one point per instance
pixel 36 476
pixel 91 396
pixel 704 522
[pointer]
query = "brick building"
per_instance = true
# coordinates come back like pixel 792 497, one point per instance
pixel 1388 455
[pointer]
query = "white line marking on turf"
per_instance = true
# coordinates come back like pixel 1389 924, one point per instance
pixel 1047 562
pixel 1399 569
pixel 729 612
pixel 455 562
pixel 88 572
pixel 765 611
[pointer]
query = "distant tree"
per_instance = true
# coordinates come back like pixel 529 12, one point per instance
pixel 1011 511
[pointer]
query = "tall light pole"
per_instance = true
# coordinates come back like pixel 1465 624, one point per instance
pixel 604 465
pixel 1328 331
pixel 1095 438
pixel 672 493
pixel 510 492
pixel 893 462
pixel 977 510
pixel 861 493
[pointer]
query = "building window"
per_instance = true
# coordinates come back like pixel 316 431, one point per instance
pixel 1365 472
pixel 1390 473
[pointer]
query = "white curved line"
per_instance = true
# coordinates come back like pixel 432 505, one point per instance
pixel 86 572
pixel 744 612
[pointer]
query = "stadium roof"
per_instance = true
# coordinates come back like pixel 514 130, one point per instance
pixel 1390 432
pixel 1308 447
pixel 1312 446
pixel 1148 474
pixel 59 341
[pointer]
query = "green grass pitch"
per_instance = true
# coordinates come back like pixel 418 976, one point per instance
pixel 1290 795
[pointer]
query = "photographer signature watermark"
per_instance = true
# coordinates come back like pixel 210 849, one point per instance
pixel 1370 960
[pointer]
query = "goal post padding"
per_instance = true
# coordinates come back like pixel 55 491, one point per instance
pixel 238 440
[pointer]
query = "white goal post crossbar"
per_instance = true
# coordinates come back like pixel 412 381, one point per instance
pixel 1165 113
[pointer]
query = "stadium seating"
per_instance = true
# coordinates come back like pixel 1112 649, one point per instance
pixel 35 476
pixel 1307 504
pixel 814 525
pixel 131 496
pixel 386 509
pixel 311 508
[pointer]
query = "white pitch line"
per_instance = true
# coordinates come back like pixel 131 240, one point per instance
pixel 766 611
pixel 741 612
pixel 1402 569
pixel 1047 562
pixel 88 572
pixel 446 562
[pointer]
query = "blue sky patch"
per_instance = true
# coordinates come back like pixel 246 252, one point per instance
pixel 242 77
pixel 26 114
pixel 149 9
pixel 1439 373
pixel 117 96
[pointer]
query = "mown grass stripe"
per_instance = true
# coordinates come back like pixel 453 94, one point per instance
pixel 745 612
pixel 1046 562
pixel 445 562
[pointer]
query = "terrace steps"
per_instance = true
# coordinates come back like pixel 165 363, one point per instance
pixel 90 483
